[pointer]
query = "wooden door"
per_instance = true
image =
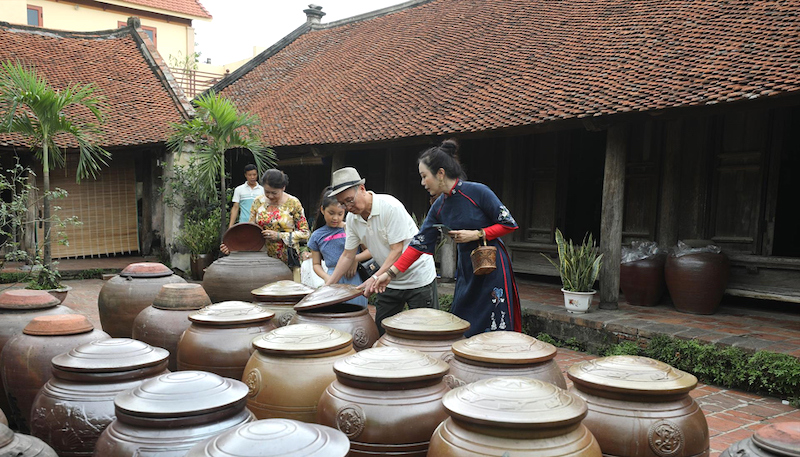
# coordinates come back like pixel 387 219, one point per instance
pixel 642 173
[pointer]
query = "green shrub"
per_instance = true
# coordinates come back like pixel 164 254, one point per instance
pixel 14 277
pixel 445 302
pixel 777 374
pixel 624 348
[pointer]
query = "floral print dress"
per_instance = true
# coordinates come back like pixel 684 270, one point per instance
pixel 288 218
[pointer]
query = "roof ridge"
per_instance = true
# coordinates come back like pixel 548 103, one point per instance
pixel 110 33
pixel 371 14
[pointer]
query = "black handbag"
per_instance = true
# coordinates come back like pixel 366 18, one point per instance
pixel 367 268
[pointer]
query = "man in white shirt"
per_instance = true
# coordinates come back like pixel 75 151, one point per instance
pixel 382 224
pixel 244 195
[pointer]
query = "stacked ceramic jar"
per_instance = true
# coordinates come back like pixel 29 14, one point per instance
pixel 774 440
pixel 280 298
pixel 429 331
pixel 326 306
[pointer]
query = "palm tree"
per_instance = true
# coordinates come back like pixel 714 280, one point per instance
pixel 219 127
pixel 30 107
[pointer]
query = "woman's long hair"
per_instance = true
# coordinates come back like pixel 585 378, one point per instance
pixel 325 200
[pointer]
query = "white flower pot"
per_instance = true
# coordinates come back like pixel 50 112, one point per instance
pixel 578 302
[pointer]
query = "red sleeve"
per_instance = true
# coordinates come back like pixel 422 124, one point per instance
pixel 497 230
pixel 409 256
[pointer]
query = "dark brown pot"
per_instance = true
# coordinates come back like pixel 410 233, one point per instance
pixel 346 317
pixel 773 440
pixel 642 281
pixel 124 296
pixel 199 263
pixel 77 403
pixel 26 358
pixel 231 278
pixel 19 445
pixel 697 282
pixel 168 415
pixel 430 331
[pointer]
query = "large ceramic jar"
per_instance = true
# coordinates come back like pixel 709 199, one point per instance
pixel 644 400
pixel 291 368
pixel 642 281
pixel 515 416
pixel 280 297
pixel 124 296
pixel 17 308
pixel 163 323
pixel 18 445
pixel 219 338
pixel 77 403
pixel 493 354
pixel 773 440
pixel 427 330
pixel 325 306
pixel 26 360
pixel 387 400
pixel 166 416
pixel 275 438
pixel 697 282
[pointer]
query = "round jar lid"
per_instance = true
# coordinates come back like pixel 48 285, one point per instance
pixel 302 339
pixel 24 299
pixel 782 438
pixel 515 402
pixel 509 348
pixel 6 435
pixel 181 296
pixel 631 374
pixel 244 236
pixel 282 291
pixel 110 356
pixel 146 270
pixel 231 312
pixel 60 324
pixel 328 295
pixel 179 394
pixel 422 322
pixel 275 438
pixel 390 365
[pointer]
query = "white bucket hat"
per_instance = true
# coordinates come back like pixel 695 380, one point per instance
pixel 345 178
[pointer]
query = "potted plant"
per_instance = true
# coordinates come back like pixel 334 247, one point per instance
pixel 47 278
pixel 578 266
pixel 201 237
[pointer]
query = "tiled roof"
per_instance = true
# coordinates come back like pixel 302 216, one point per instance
pixel 451 66
pixel 190 7
pixel 139 102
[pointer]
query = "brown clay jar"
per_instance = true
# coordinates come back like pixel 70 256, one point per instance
pixel 77 403
pixel 644 400
pixel 19 445
pixel 26 359
pixel 516 416
pixel 280 297
pixel 426 330
pixel 387 400
pixel 290 369
pixel 697 282
pixel 352 319
pixel 774 440
pixel 493 354
pixel 642 281
pixel 219 339
pixel 124 296
pixel 167 415
pixel 232 277
pixel 163 323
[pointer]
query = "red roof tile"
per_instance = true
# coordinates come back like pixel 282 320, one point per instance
pixel 450 66
pixel 139 103
pixel 190 7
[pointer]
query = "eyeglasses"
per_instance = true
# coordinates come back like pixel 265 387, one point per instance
pixel 350 201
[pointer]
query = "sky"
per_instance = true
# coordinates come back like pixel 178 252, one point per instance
pixel 238 25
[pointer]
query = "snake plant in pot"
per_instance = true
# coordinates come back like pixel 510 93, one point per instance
pixel 578 266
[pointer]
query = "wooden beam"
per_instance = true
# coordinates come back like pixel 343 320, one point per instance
pixel 670 175
pixel 612 211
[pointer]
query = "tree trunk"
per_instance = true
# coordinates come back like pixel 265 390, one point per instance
pixel 46 203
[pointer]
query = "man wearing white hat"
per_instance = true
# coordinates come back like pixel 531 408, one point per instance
pixel 382 224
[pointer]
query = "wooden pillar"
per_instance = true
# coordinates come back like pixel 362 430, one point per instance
pixel 613 206
pixel 668 211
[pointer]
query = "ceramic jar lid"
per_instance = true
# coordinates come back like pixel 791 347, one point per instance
pixel 24 299
pixel 282 291
pixel 390 365
pixel 110 356
pixel 181 297
pixel 425 322
pixel 231 313
pixel 57 325
pixel 302 339
pixel 782 438
pixel 6 435
pixel 507 348
pixel 631 374
pixel 244 236
pixel 146 270
pixel 515 402
pixel 327 296
pixel 275 438
pixel 181 395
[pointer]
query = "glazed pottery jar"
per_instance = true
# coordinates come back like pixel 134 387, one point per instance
pixel 642 281
pixel 387 400
pixel 26 360
pixel 516 416
pixel 697 282
pixel 18 445
pixel 219 337
pixel 773 440
pixel 493 354
pixel 79 398
pixel 163 323
pixel 275 438
pixel 427 330
pixel 290 369
pixel 642 399
pixel 167 415
pixel 124 296
pixel 3 419
pixel 280 297
pixel 325 306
